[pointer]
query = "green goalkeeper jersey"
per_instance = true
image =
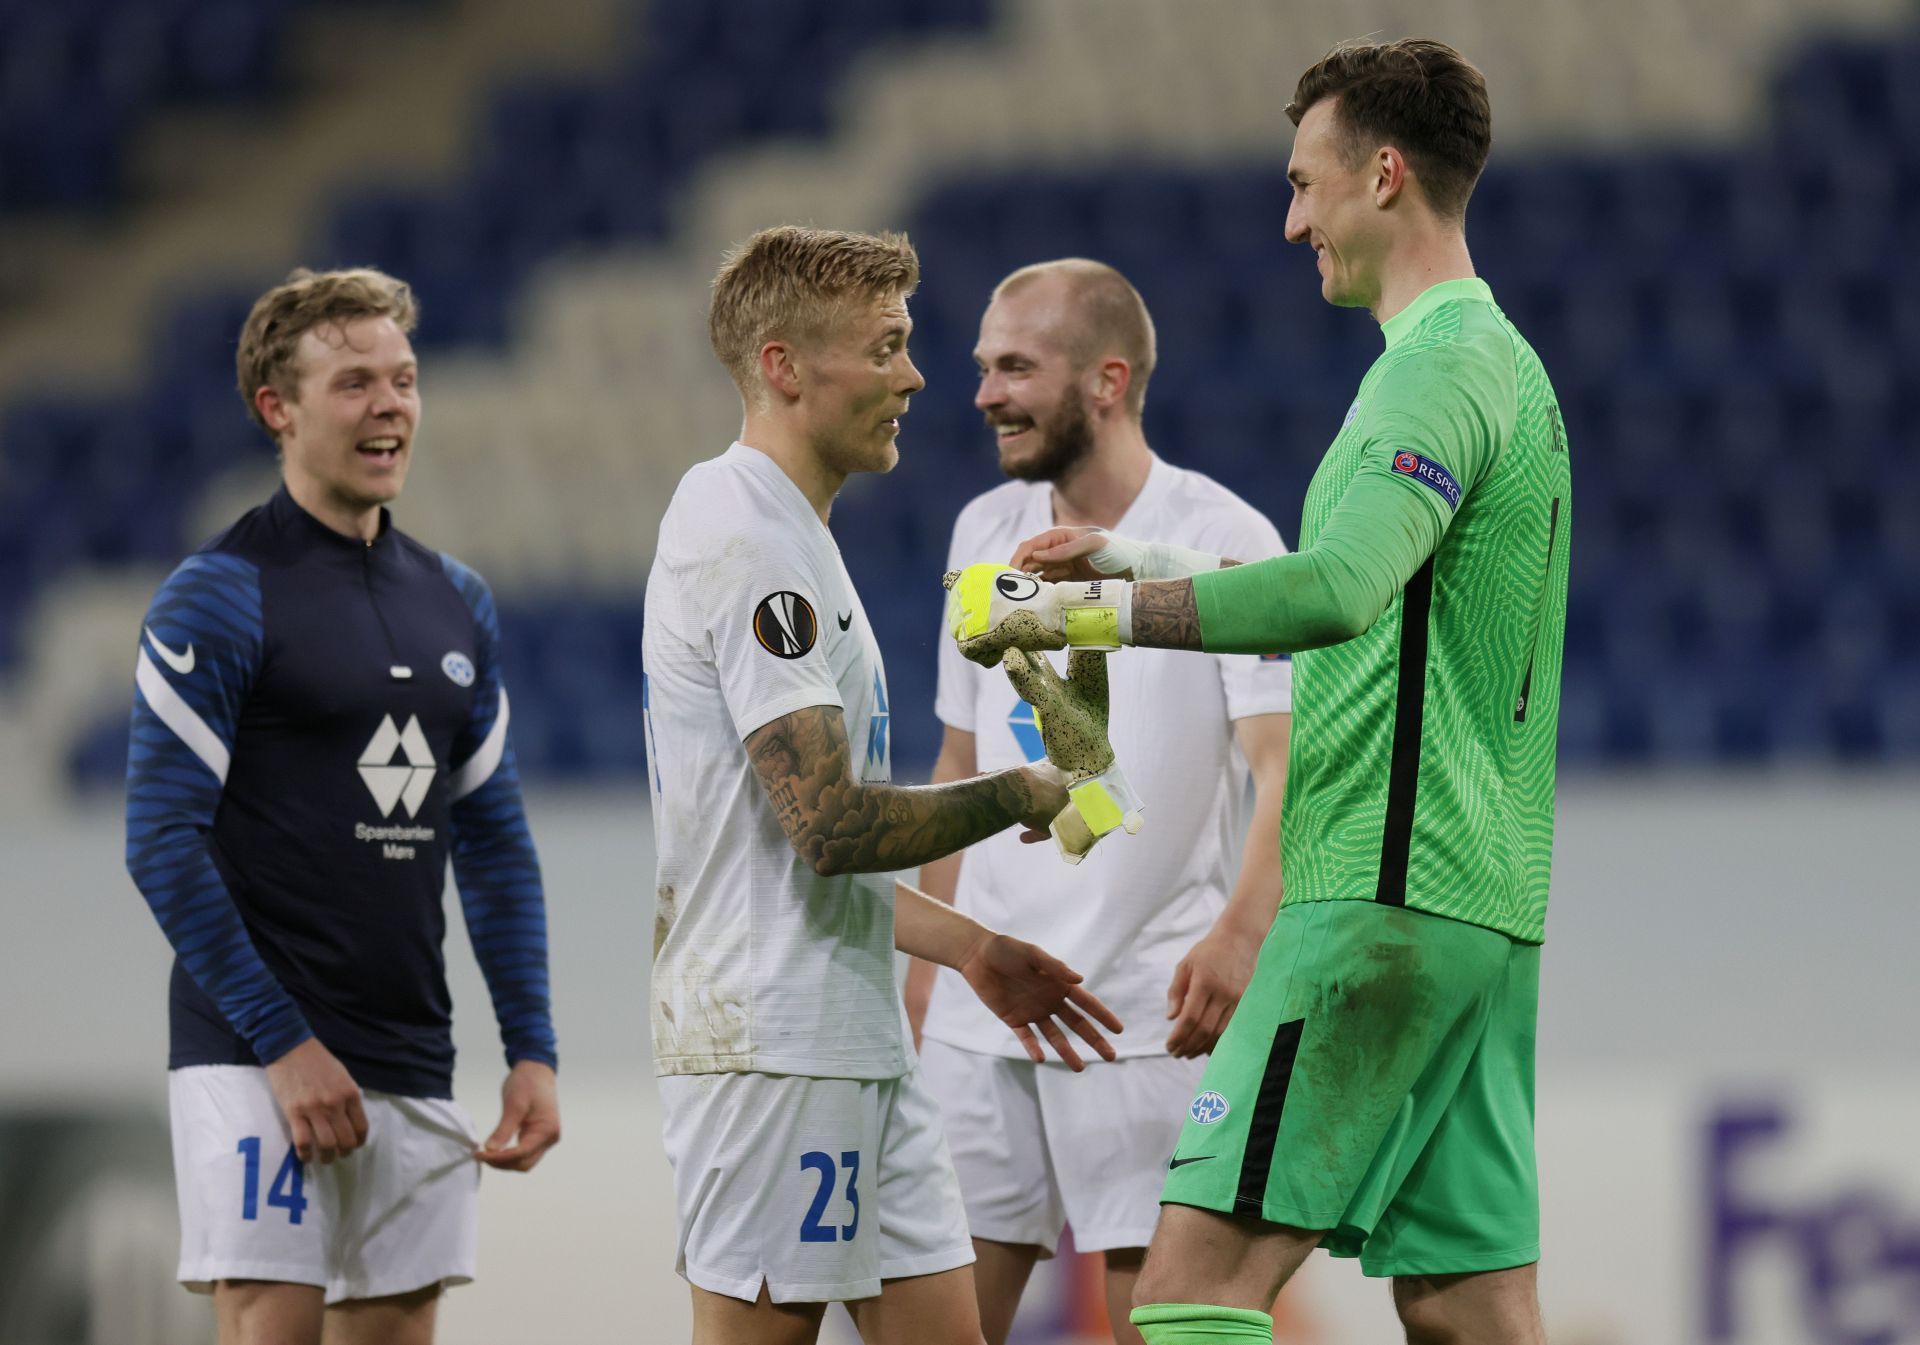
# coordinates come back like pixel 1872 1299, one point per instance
pixel 1428 599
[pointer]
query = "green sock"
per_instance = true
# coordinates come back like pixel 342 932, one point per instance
pixel 1200 1324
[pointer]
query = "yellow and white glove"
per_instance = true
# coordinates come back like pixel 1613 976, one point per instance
pixel 994 608
pixel 1071 714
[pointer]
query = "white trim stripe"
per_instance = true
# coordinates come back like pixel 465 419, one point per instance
pixel 177 715
pixel 479 768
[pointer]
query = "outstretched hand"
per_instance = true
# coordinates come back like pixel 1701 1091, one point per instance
pixel 1028 988
pixel 1061 553
pixel 529 1119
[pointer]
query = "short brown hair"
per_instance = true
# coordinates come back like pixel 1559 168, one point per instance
pixel 1108 315
pixel 792 283
pixel 1418 95
pixel 270 337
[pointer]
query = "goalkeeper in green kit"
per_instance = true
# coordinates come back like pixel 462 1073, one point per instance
pixel 1373 1094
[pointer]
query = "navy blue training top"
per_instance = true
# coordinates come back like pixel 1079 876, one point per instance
pixel 318 724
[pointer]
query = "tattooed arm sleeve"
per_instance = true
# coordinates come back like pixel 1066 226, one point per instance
pixel 841 825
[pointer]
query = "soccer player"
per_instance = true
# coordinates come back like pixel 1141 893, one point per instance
pixel 1161 924
pixel 318 723
pixel 1374 1093
pixel 809 1164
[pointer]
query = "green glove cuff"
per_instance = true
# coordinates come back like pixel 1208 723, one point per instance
pixel 1097 614
pixel 1093 627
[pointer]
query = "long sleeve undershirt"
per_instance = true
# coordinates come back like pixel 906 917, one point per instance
pixel 1380 533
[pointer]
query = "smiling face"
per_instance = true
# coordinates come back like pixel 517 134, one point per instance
pixel 1033 396
pixel 858 380
pixel 1337 208
pixel 346 428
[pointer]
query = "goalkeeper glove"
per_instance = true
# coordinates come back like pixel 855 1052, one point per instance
pixel 994 608
pixel 1071 714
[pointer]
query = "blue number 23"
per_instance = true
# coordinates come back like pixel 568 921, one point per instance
pixel 815 1160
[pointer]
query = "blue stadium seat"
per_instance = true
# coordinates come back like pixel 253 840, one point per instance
pixel 76 80
pixel 1728 331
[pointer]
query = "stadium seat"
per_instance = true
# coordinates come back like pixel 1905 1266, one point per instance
pixel 1728 330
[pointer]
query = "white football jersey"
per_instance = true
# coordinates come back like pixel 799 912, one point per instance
pixel 1129 912
pixel 759 963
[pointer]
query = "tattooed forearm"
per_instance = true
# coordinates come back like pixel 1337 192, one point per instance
pixel 786 805
pixel 840 825
pixel 1164 615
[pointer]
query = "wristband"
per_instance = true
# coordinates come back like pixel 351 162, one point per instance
pixel 1163 560
pixel 1097 614
pixel 1097 805
pixel 1148 561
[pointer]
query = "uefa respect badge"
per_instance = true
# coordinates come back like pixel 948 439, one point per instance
pixel 1429 474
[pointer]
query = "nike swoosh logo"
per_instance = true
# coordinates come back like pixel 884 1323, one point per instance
pixel 845 621
pixel 180 663
pixel 1177 1162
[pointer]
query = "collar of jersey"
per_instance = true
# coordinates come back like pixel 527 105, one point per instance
pixel 286 512
pixel 1398 327
pixel 1159 481
pixel 762 464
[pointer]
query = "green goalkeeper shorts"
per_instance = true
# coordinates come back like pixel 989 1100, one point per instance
pixel 1376 1081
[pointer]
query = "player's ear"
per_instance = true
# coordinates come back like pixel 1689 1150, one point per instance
pixel 1112 377
pixel 778 368
pixel 1389 175
pixel 272 408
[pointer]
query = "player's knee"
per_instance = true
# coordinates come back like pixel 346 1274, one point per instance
pixel 1430 1330
pixel 1424 1317
pixel 261 1312
pixel 1158 1282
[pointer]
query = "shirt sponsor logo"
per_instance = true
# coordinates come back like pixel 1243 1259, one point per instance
pixel 785 625
pixel 1209 1108
pixel 1430 474
pixel 1352 412
pixel 878 725
pixel 397 766
pixel 1026 731
pixel 458 668
pixel 390 838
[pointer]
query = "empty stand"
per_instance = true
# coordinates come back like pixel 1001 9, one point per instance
pixel 1729 327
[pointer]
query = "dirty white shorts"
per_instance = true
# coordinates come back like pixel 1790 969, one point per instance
pixel 1039 1146
pixel 820 1188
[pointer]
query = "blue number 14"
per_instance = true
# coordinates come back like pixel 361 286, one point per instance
pixel 288 1191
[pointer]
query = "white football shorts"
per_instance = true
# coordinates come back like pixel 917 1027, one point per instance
pixel 1038 1146
pixel 821 1188
pixel 397 1214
